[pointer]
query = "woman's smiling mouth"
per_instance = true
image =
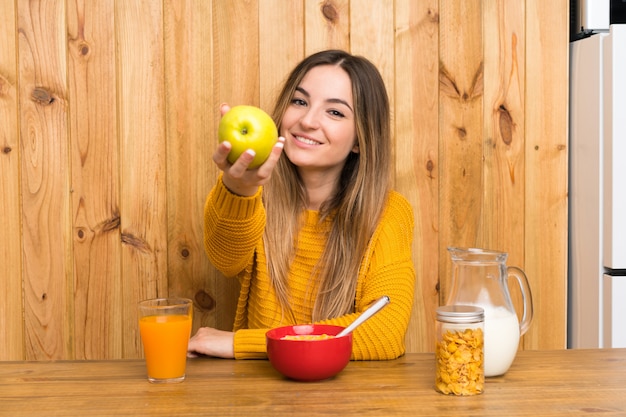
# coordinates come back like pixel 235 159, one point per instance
pixel 306 141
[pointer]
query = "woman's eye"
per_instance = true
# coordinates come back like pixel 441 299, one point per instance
pixel 336 113
pixel 298 102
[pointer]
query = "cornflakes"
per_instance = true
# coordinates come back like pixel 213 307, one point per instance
pixel 460 369
pixel 307 337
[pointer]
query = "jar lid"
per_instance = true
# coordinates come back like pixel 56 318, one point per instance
pixel 460 314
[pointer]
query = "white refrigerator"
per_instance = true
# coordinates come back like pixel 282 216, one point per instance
pixel 597 191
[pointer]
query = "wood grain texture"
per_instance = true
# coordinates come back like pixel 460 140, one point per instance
pixel 281 26
pixel 108 120
pixel 11 299
pixel 94 197
pixel 416 113
pixel 143 199
pixel 461 91
pixel 372 36
pixel 327 25
pixel 502 223
pixel 539 383
pixel 190 113
pixel 546 161
pixel 46 250
pixel 502 220
pixel 236 52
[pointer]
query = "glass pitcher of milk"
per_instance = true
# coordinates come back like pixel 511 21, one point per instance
pixel 480 277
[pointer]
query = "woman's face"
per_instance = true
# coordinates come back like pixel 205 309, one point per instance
pixel 319 124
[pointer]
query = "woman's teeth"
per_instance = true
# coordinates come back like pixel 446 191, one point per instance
pixel 306 141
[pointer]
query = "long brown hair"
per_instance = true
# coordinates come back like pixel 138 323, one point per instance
pixel 356 206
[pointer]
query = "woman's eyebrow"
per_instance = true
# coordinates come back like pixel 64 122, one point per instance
pixel 303 91
pixel 340 101
pixel 330 100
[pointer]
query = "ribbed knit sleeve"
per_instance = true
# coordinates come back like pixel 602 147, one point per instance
pixel 233 226
pixel 250 344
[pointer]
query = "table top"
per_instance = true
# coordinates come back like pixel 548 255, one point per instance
pixel 539 383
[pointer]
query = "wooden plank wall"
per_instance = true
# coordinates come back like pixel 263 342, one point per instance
pixel 108 114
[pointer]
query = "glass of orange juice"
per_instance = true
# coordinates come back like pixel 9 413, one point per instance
pixel 165 327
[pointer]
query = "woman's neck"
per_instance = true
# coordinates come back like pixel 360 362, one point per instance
pixel 320 187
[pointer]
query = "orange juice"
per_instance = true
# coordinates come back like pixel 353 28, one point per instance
pixel 165 341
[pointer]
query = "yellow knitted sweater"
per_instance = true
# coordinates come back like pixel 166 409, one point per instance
pixel 233 241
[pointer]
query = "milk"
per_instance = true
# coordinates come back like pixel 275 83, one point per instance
pixel 501 340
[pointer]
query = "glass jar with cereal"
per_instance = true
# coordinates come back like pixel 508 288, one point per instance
pixel 459 353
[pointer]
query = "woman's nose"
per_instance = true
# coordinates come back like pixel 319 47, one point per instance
pixel 310 119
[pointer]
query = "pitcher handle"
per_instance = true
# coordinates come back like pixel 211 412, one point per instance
pixel 522 280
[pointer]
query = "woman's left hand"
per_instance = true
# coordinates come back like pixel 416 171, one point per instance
pixel 211 342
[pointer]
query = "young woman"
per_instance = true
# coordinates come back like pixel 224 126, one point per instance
pixel 315 235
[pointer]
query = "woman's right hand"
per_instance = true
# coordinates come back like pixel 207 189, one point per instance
pixel 211 342
pixel 237 177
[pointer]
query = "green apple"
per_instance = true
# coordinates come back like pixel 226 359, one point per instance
pixel 248 127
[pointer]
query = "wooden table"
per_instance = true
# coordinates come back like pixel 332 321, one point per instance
pixel 540 383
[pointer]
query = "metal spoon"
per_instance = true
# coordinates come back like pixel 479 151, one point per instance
pixel 371 310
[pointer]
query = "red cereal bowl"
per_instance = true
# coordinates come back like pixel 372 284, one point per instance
pixel 308 352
